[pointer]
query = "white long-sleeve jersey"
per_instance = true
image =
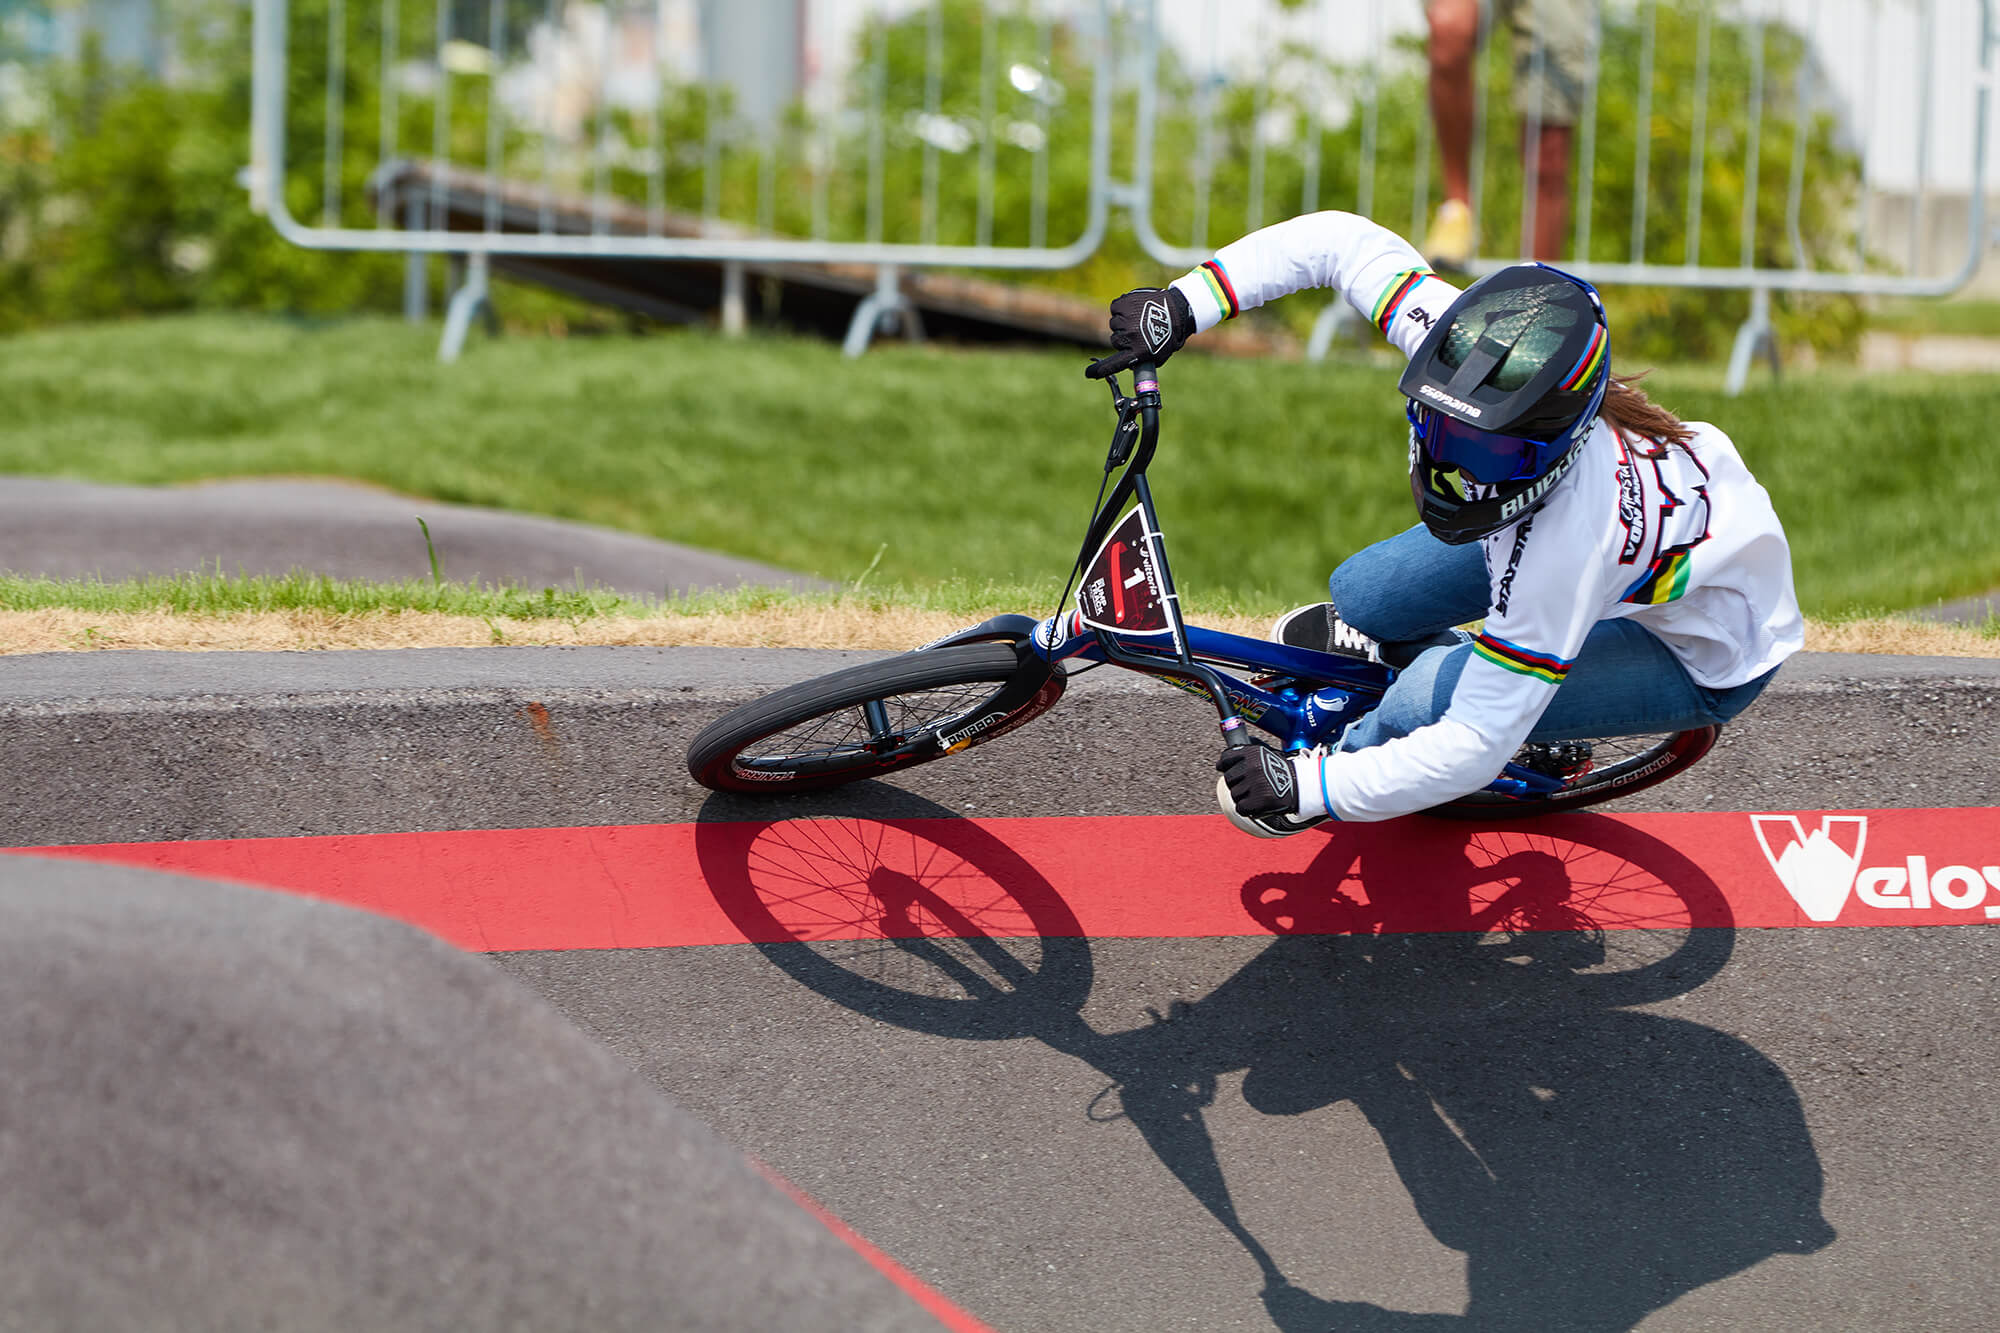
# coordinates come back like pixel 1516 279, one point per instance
pixel 1682 540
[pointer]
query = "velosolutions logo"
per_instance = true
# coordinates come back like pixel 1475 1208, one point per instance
pixel 1823 871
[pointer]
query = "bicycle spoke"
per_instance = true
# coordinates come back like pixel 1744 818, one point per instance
pixel 879 724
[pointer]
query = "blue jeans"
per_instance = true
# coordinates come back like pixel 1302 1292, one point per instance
pixel 1624 682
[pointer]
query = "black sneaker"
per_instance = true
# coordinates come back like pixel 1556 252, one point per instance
pixel 1319 628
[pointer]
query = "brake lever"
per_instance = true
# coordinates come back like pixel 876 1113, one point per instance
pixel 1126 436
pixel 1128 424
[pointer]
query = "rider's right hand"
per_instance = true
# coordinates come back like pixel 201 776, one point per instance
pixel 1147 324
pixel 1260 780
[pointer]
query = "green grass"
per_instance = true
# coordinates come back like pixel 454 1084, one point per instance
pixel 224 594
pixel 215 593
pixel 1954 318
pixel 965 470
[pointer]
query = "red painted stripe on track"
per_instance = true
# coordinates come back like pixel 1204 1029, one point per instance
pixel 953 1318
pixel 641 886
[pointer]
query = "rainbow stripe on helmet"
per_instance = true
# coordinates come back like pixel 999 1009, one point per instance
pixel 1586 365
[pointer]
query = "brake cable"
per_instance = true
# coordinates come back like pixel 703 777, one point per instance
pixel 1124 406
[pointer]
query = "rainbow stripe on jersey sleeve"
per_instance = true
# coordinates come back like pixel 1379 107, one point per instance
pixel 1523 661
pixel 1393 297
pixel 1220 287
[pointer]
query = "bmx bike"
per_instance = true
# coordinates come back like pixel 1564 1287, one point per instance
pixel 970 687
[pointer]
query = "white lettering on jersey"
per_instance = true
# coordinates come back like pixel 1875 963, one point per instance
pixel 1506 592
pixel 1631 506
pixel 1683 518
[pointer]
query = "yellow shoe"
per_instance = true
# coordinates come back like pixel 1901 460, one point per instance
pixel 1452 238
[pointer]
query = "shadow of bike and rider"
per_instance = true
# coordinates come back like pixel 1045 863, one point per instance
pixel 1465 989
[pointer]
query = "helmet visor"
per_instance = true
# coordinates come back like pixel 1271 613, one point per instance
pixel 1485 457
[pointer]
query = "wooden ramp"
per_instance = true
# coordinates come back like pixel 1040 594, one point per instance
pixel 808 298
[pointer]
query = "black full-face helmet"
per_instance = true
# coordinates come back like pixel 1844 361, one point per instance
pixel 1502 389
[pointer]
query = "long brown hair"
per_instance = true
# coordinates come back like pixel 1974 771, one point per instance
pixel 1627 407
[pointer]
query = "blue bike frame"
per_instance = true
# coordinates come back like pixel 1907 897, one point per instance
pixel 1299 697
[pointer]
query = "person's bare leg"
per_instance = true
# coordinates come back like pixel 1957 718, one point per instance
pixel 1454 233
pixel 1551 191
pixel 1454 38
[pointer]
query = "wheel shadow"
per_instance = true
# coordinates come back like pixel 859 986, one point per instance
pixel 1464 988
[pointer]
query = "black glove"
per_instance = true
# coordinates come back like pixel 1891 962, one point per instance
pixel 1147 324
pixel 1261 781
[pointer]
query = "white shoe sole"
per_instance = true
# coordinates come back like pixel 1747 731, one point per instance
pixel 1256 828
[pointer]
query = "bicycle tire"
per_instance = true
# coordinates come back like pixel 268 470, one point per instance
pixel 818 734
pixel 1650 760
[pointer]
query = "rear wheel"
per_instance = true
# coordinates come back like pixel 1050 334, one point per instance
pixel 873 719
pixel 1603 770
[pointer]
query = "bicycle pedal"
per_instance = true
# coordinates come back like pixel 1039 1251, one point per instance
pixel 1563 760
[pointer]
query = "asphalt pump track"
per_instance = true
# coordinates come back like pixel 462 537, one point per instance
pixel 1065 1048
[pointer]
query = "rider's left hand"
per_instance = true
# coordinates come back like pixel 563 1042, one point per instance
pixel 1261 781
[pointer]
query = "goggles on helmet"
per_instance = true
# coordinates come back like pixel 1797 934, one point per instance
pixel 1487 458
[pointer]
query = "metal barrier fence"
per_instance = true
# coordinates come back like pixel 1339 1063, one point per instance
pixel 575 97
pixel 1757 145
pixel 1804 102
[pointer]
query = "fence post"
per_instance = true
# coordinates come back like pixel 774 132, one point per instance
pixel 877 309
pixel 416 265
pixel 1333 320
pixel 1754 338
pixel 470 299
pixel 735 317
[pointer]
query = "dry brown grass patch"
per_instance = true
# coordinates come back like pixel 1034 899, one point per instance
pixel 52 631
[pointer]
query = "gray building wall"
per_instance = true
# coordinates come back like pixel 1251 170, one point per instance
pixel 1937 223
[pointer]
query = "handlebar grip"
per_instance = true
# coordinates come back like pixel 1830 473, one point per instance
pixel 1143 372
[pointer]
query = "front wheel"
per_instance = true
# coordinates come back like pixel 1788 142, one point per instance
pixel 873 719
pixel 1592 771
